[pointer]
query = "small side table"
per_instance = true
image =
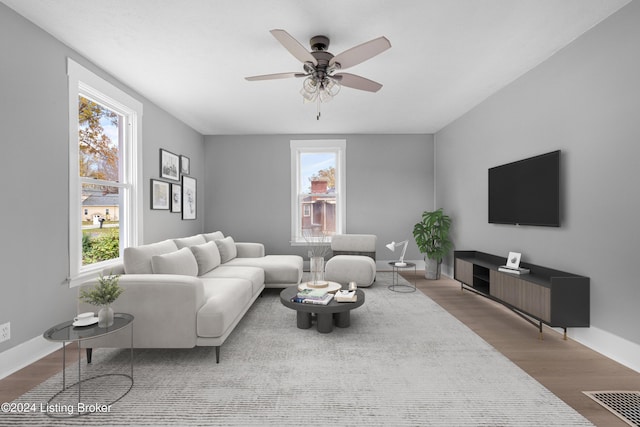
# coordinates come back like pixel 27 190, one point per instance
pixel 401 287
pixel 65 332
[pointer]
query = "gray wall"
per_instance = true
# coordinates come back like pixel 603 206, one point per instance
pixel 585 101
pixel 34 219
pixel 248 182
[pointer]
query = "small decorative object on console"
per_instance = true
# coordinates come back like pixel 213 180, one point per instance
pixel 513 264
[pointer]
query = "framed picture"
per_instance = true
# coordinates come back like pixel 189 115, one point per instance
pixel 189 202
pixel 513 260
pixel 169 165
pixel 184 165
pixel 176 198
pixel 159 194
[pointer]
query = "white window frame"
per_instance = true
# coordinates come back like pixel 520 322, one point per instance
pixel 83 82
pixel 298 147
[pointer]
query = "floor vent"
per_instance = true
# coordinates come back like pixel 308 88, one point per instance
pixel 624 404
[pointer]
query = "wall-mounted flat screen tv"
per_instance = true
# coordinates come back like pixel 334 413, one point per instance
pixel 526 192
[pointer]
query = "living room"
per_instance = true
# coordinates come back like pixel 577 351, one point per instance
pixel 582 100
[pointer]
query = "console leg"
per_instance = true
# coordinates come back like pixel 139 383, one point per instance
pixel 540 330
pixel 217 354
pixel 564 337
pixel 89 354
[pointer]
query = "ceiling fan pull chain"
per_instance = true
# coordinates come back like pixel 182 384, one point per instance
pixel 318 116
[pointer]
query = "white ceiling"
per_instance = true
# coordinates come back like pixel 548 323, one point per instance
pixel 190 57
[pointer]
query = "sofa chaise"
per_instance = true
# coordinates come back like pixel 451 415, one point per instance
pixel 192 291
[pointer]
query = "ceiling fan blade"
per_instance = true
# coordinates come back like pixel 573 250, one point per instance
pixel 294 47
pixel 361 53
pixel 357 82
pixel 275 76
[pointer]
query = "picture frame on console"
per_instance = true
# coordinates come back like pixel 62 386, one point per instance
pixel 169 165
pixel 189 199
pixel 160 195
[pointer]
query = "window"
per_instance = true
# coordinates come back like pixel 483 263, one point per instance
pixel 105 195
pixel 317 189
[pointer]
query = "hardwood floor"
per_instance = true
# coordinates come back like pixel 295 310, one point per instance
pixel 565 367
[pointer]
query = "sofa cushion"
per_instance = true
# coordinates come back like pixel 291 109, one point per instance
pixel 253 274
pixel 227 248
pixel 207 256
pixel 226 299
pixel 216 235
pixel 278 269
pixel 185 242
pixel 181 261
pixel 351 268
pixel 137 260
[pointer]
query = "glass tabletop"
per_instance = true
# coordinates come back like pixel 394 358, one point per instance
pixel 67 332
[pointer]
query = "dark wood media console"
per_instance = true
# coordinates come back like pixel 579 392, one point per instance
pixel 544 296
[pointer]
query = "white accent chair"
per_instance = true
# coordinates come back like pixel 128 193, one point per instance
pixel 353 259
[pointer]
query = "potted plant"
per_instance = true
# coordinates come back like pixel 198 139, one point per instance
pixel 103 294
pixel 432 238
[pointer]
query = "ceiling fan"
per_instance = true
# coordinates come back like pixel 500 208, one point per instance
pixel 322 80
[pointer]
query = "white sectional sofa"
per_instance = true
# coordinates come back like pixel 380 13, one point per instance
pixel 192 291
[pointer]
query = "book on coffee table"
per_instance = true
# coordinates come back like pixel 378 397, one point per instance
pixel 318 294
pixel 326 300
pixel 346 296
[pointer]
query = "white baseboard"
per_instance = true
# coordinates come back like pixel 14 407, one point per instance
pixel 24 354
pixel 614 347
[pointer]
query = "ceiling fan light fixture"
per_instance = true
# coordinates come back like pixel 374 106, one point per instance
pixel 310 85
pixel 308 97
pixel 332 86
pixel 320 83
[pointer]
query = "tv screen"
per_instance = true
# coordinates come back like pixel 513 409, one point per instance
pixel 526 192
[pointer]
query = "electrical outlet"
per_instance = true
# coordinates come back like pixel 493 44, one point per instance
pixel 5 331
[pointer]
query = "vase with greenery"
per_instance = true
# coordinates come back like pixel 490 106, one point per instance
pixel 432 237
pixel 103 294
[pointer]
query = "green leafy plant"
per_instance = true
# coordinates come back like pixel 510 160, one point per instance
pixel 100 248
pixel 432 234
pixel 104 293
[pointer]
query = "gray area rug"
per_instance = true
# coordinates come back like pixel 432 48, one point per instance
pixel 404 361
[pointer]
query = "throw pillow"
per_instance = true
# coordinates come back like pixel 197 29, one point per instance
pixel 207 256
pixel 181 261
pixel 185 242
pixel 211 237
pixel 227 248
pixel 137 259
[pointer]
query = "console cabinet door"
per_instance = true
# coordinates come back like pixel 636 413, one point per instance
pixel 464 272
pixel 527 296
